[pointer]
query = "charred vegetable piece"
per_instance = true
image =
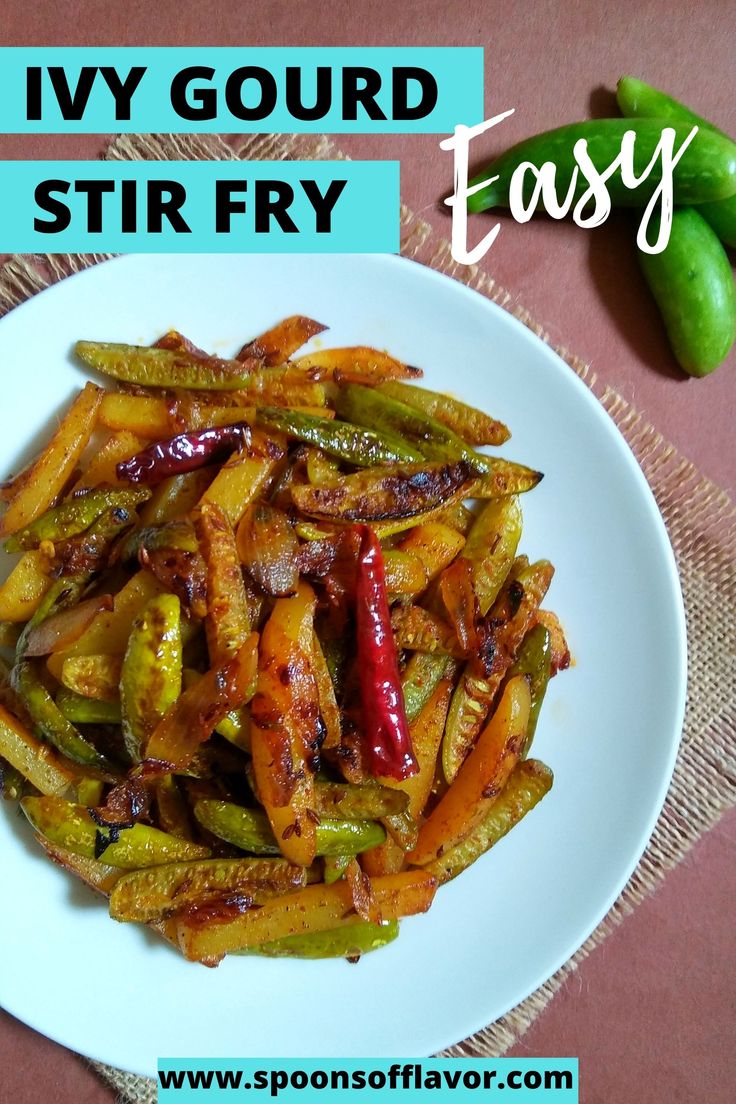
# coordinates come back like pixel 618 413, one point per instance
pixel 282 341
pixel 49 721
pixel 192 718
pixel 481 778
pixel 473 426
pixel 153 367
pixel 36 761
pixel 131 848
pixel 385 729
pixel 391 492
pixel 184 453
pixel 513 615
pixel 150 680
pixel 154 538
pixel 83 556
pixel 315 909
pixel 528 783
pixel 285 734
pixel 153 893
pixel 353 444
pixel 249 829
pixel 74 516
pixel 504 477
pixel 228 621
pixel 268 549
pixel 535 661
pixel 358 362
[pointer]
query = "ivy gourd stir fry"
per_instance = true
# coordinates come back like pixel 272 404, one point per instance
pixel 270 679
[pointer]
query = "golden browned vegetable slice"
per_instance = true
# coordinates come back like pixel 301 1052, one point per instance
pixel 239 482
pixel 435 544
pixel 228 621
pixel 141 415
pixel 285 729
pixel 45 480
pixel 153 893
pixel 192 718
pixel 481 778
pixel 158 419
pixel 314 909
pixel 281 341
pixel 511 617
pixel 405 574
pixel 527 785
pixel 25 586
pixel 394 491
pixel 44 768
pixel 102 468
pixel 93 676
pixel 359 363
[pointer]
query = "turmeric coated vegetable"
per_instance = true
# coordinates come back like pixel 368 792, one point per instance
pixel 268 703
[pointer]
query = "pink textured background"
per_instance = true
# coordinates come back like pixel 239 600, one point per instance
pixel 652 1013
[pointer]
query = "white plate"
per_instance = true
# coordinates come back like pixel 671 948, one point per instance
pixel 609 729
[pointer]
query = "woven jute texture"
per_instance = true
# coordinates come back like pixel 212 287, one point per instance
pixel 700 518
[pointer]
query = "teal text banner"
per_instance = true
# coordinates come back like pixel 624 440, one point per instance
pixel 348 1081
pixel 200 207
pixel 337 90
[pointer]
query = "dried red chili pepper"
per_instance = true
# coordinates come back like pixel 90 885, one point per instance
pixel 183 453
pixel 385 728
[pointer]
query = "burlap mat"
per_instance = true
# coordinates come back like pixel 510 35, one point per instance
pixel 701 521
